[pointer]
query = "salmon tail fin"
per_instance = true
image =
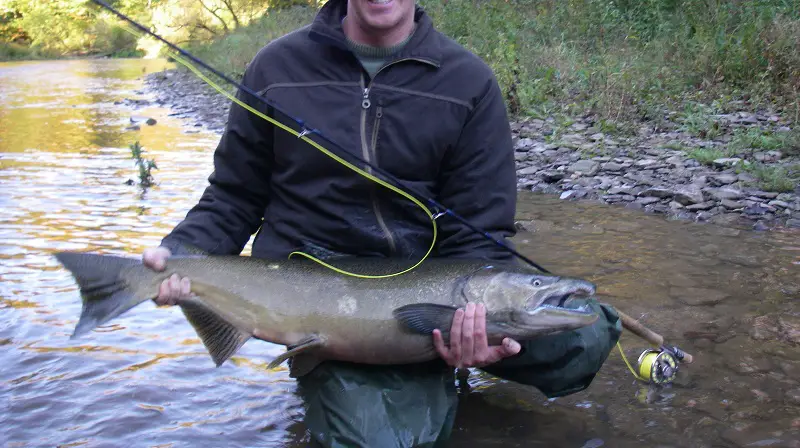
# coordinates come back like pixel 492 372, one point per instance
pixel 105 293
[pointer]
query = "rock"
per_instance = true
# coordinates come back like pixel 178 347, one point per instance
pixel 725 193
pixel 567 194
pixel 731 205
pixel 657 193
pixel 540 147
pixel 700 206
pixel 552 176
pixel 689 195
pixel 524 144
pixel 724 179
pixel 768 156
pixel 612 166
pixel 597 137
pixel 613 198
pixel 793 223
pixel 790 328
pixel 727 162
pixel 151 121
pixel 760 226
pixel 756 210
pixel 648 200
pixel 697 296
pixel 585 167
pixel 746 178
pixel 777 203
pixel 528 171
pixel 793 397
pixel 520 156
pixel 646 163
pixel 620 190
pixel 676 161
pixel 640 179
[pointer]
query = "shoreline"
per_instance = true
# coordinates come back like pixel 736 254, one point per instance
pixel 651 171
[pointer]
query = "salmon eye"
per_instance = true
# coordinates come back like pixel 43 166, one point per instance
pixel 536 282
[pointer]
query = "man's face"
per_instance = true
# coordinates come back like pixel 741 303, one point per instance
pixel 380 16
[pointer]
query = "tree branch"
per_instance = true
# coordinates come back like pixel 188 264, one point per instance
pixel 214 13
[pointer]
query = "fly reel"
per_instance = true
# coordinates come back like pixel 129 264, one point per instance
pixel 659 366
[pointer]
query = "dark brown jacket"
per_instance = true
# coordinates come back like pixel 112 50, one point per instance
pixel 433 116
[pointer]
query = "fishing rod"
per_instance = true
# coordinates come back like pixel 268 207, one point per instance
pixel 441 209
pixel 656 366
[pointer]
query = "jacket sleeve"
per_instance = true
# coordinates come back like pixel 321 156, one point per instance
pixel 478 182
pixel 231 207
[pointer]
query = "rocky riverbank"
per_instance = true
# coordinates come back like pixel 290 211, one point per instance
pixel 721 168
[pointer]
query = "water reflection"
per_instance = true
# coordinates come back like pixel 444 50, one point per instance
pixel 728 296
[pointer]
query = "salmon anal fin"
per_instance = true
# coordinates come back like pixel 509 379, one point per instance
pixel 220 338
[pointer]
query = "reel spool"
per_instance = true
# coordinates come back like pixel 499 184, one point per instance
pixel 657 366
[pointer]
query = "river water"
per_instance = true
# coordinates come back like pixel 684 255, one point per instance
pixel 728 296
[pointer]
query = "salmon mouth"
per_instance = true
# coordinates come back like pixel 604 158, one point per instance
pixel 577 290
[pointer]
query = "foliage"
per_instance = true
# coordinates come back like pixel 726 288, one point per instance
pixel 145 166
pixel 79 27
pixel 232 53
pixel 780 179
pixel 619 58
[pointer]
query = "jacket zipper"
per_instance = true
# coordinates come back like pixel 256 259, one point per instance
pixel 378 214
pixel 368 154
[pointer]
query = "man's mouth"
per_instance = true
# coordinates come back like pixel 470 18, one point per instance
pixel 380 2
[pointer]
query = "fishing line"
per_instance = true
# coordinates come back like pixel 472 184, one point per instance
pixel 441 210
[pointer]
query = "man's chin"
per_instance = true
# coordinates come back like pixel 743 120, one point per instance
pixel 381 24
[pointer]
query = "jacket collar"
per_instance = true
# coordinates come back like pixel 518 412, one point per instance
pixel 327 29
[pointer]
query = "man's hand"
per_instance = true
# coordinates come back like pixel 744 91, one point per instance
pixel 469 346
pixel 172 289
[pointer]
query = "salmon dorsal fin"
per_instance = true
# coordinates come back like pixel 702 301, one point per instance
pixel 305 346
pixel 220 338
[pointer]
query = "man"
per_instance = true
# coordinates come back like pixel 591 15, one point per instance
pixel 378 79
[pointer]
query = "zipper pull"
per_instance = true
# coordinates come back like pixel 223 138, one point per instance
pixel 365 103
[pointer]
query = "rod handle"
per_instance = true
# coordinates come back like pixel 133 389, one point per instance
pixel 635 327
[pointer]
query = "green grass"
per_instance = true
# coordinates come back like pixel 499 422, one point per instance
pixel 705 155
pixel 780 179
pixel 765 140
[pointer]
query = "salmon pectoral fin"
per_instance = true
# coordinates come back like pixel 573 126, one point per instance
pixel 423 318
pixel 305 346
pixel 220 338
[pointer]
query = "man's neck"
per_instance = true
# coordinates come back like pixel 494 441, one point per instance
pixel 365 37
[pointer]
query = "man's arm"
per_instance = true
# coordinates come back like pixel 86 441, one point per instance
pixel 478 182
pixel 232 206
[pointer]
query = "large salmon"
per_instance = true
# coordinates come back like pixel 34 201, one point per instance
pixel 320 314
